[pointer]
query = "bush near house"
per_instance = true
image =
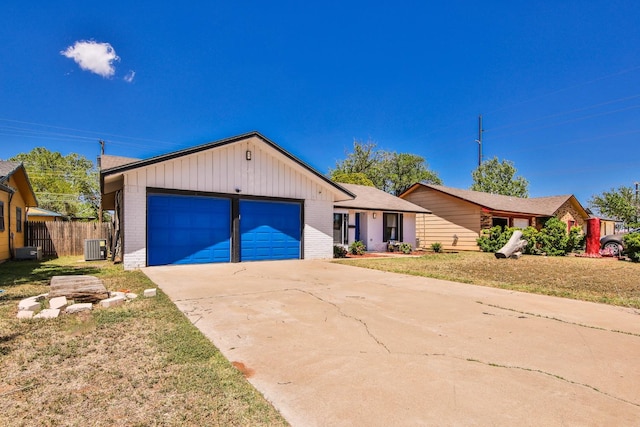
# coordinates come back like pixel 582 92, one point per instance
pixel 357 248
pixel 632 246
pixel 339 252
pixel 552 239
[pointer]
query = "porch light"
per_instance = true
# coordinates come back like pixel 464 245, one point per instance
pixel 374 215
pixel 248 155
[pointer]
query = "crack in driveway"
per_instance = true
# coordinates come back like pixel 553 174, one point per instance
pixel 343 314
pixel 542 316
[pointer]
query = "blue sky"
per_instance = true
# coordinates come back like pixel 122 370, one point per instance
pixel 557 82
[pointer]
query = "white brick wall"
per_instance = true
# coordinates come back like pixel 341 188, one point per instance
pixel 318 229
pixel 135 223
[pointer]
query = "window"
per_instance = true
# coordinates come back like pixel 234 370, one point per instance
pixel 502 222
pixel 18 220
pixel 392 227
pixel 340 228
pixel 520 222
pixel 1 216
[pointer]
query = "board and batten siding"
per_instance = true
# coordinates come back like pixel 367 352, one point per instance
pixel 226 170
pixel 450 218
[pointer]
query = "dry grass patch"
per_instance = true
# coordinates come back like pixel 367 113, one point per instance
pixel 602 280
pixel 142 363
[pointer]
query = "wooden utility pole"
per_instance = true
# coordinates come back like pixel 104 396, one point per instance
pixel 100 167
pixel 479 140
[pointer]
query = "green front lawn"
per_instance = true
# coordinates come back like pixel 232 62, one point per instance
pixel 604 280
pixel 142 363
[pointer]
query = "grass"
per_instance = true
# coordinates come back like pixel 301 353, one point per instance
pixel 139 364
pixel 603 280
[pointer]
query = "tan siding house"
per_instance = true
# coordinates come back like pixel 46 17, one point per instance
pixel 459 215
pixel 16 195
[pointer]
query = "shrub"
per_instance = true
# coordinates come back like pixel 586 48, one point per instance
pixel 492 239
pixel 436 247
pixel 357 248
pixel 632 246
pixel 339 252
pixel 405 248
pixel 532 236
pixel 576 240
pixel 553 237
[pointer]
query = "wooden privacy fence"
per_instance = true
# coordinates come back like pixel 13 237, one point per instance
pixel 64 238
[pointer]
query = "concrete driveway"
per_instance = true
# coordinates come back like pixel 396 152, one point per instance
pixel 329 344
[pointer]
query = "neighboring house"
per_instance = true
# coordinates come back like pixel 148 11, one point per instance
pixel 375 218
pixel 239 199
pixel 44 215
pixel 16 195
pixel 460 215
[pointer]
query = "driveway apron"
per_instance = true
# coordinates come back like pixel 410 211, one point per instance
pixel 335 345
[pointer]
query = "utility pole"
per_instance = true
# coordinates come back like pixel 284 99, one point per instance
pixel 100 167
pixel 479 140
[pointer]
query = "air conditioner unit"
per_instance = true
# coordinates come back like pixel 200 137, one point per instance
pixel 28 252
pixel 95 249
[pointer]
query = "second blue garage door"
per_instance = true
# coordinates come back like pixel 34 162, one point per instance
pixel 269 230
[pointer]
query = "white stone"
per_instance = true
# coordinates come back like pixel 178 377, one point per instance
pixel 25 314
pixel 48 313
pixel 112 302
pixel 75 308
pixel 131 295
pixel 150 292
pixel 57 302
pixel 28 304
pixel 117 294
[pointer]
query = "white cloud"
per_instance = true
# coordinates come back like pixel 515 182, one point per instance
pixel 93 56
pixel 130 76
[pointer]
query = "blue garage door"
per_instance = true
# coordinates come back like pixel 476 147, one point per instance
pixel 188 229
pixel 269 230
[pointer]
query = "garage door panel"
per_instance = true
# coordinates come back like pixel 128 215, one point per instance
pixel 269 230
pixel 188 229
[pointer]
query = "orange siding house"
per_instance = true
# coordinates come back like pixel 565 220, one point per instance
pixel 16 195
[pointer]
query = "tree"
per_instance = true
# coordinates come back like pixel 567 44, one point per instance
pixel 496 177
pixel 351 178
pixel 388 171
pixel 65 184
pixel 620 204
pixel 402 170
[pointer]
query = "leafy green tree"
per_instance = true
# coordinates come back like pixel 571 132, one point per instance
pixel 65 184
pixel 351 178
pixel 496 177
pixel 402 170
pixel 388 171
pixel 620 204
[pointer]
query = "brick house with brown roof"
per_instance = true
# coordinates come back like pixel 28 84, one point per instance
pixel 458 216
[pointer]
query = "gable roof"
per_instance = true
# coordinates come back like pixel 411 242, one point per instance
pixel 216 144
pixel 540 206
pixel 9 169
pixel 370 198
